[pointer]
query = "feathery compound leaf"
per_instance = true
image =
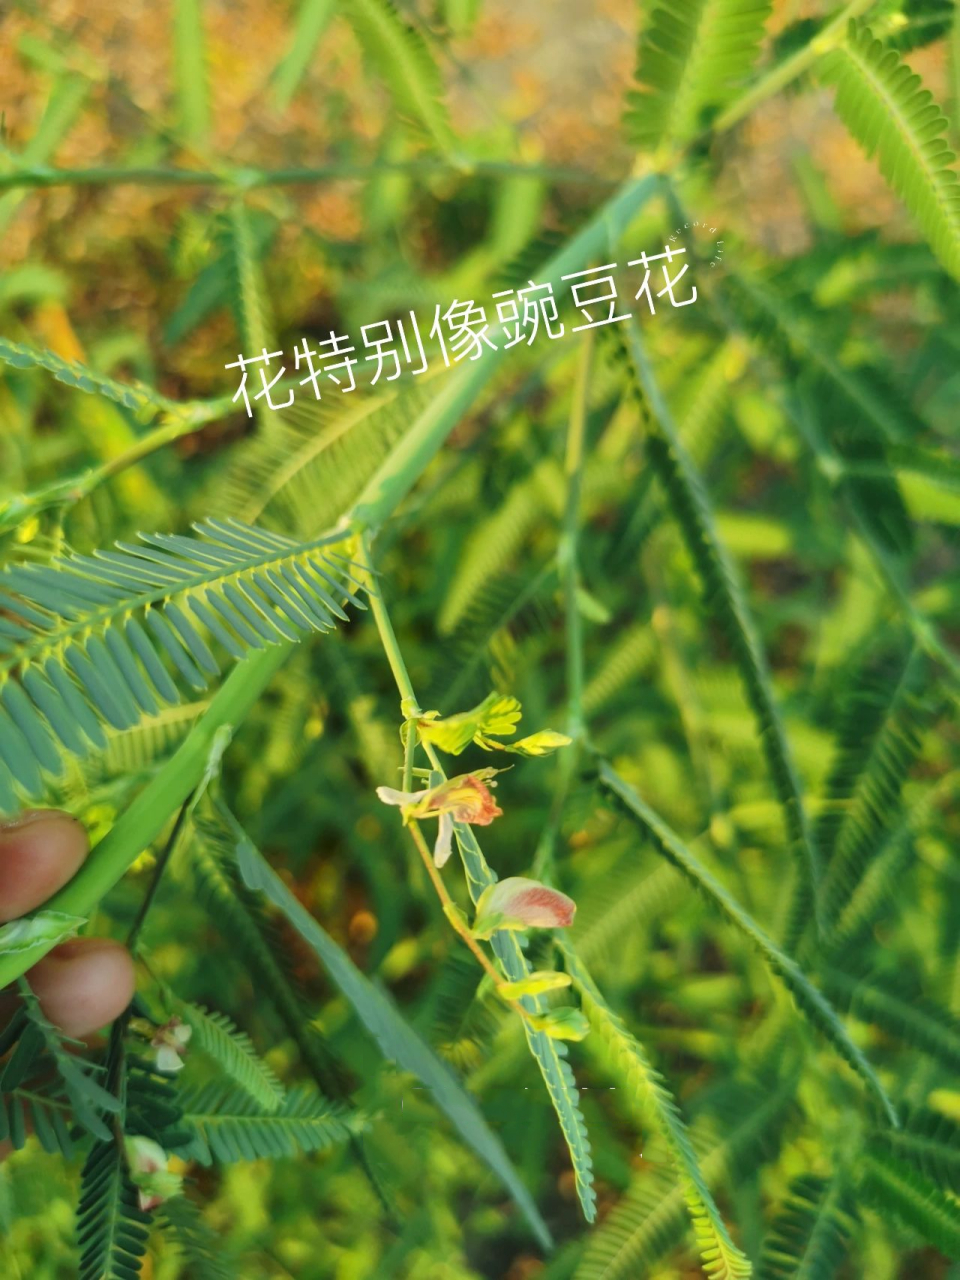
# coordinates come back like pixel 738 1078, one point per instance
pixel 649 1221
pixel 810 1001
pixel 112 1229
pixel 892 1003
pixel 251 306
pixel 396 1038
pixel 694 54
pixel 47 1117
pixel 549 1054
pixel 241 917
pixel 74 653
pixel 232 1049
pixel 691 507
pixel 928 1141
pixel 88 1098
pixel 228 1125
pixel 891 1186
pixel 873 802
pixel 793 330
pixel 810 1235
pixel 317 457
pixel 722 1260
pixel 201 1247
pixel 144 401
pixel 399 54
pixel 892 116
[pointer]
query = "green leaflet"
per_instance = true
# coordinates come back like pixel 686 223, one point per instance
pixel 721 1258
pixel 396 1039
pixel 810 1001
pixel 313 17
pixel 892 116
pixel 46 927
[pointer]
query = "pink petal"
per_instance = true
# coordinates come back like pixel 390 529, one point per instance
pixel 527 903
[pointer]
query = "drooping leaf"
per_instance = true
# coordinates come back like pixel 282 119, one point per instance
pixel 396 1039
pixel 887 109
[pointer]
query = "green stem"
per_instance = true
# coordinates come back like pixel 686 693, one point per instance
pixel 388 637
pixel 188 418
pixel 569 570
pixel 173 843
pixel 568 552
pixel 248 179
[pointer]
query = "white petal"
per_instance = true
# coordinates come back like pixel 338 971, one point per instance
pixel 168 1059
pixel 444 845
pixel 389 795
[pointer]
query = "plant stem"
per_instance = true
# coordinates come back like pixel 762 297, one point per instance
pixel 451 912
pixel 249 179
pixel 187 419
pixel 173 843
pixel 569 570
pixel 568 551
pixel 388 638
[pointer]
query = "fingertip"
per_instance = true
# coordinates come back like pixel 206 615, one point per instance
pixel 84 984
pixel 39 852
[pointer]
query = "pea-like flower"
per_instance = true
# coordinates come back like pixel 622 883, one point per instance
pixel 519 903
pixel 147 1162
pixel 170 1042
pixel 466 798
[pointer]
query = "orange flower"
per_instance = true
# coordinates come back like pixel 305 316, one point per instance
pixel 466 798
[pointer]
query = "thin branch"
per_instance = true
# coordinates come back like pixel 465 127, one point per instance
pixel 251 179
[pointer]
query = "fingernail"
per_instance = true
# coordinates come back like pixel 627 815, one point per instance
pixel 28 817
pixel 23 819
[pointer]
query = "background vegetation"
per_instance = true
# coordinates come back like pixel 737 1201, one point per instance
pixel 717 547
